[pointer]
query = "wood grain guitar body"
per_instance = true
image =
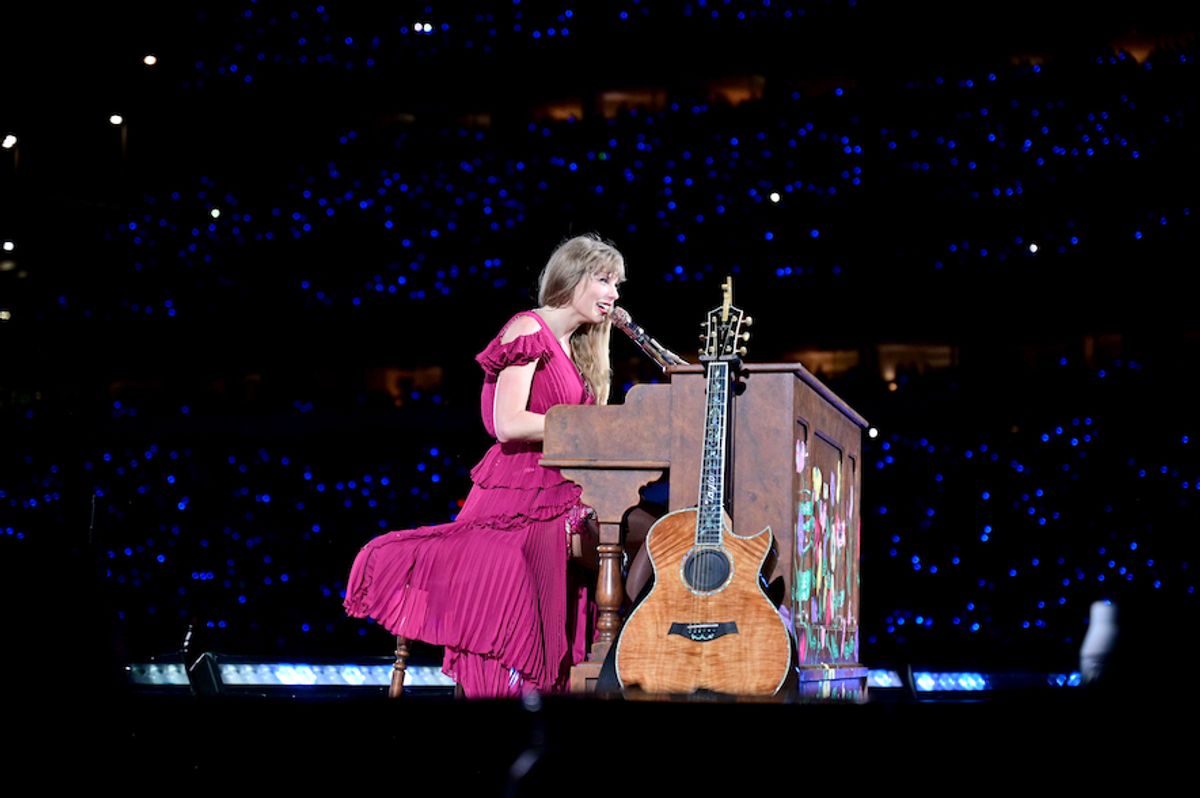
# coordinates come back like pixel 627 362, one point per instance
pixel 706 624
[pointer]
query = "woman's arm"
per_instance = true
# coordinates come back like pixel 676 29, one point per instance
pixel 509 416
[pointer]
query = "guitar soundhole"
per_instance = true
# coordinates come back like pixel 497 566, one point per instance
pixel 706 570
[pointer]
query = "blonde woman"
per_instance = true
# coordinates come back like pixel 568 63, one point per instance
pixel 491 586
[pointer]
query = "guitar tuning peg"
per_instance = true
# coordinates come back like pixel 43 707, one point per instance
pixel 745 336
pixel 748 321
pixel 742 351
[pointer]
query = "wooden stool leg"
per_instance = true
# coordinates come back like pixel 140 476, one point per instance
pixel 610 594
pixel 397 687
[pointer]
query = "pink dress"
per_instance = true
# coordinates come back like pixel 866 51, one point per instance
pixel 492 586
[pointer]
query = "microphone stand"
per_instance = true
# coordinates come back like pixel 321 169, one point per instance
pixel 654 350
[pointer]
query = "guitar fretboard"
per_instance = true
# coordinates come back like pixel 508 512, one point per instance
pixel 712 462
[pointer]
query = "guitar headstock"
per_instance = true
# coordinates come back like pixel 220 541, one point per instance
pixel 723 333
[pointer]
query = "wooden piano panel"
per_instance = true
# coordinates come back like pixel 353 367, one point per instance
pixel 788 428
pixel 612 450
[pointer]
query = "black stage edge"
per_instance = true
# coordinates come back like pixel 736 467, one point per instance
pixel 1056 741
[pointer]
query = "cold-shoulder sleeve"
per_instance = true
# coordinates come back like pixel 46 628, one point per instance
pixel 521 350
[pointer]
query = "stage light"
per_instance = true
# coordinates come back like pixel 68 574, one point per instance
pixel 267 674
pixel 5 315
pixel 150 60
pixel 9 246
pixel 1065 679
pixel 9 142
pixel 215 213
pixel 774 196
pixel 926 682
pixel 153 674
pixel 212 674
pixel 883 679
pixel 872 433
pixel 116 119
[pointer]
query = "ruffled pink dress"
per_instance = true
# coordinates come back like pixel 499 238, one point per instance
pixel 492 586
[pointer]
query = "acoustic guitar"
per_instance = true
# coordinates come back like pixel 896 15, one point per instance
pixel 707 624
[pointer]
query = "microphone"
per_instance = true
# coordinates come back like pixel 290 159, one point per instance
pixel 654 350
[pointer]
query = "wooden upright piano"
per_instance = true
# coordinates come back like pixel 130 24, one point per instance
pixel 796 468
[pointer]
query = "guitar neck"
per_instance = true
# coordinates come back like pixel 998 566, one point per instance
pixel 713 460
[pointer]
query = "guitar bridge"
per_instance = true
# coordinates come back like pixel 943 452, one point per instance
pixel 703 632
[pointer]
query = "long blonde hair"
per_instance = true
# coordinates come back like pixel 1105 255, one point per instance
pixel 575 259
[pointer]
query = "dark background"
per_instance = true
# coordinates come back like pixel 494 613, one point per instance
pixel 235 392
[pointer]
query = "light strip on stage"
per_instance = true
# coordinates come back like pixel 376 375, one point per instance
pixel 290 674
pixel 1065 679
pixel 885 679
pixel 926 682
pixel 298 674
pixel 154 674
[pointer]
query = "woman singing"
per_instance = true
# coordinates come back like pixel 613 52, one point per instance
pixel 491 586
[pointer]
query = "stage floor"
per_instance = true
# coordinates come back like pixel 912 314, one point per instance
pixel 1057 740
